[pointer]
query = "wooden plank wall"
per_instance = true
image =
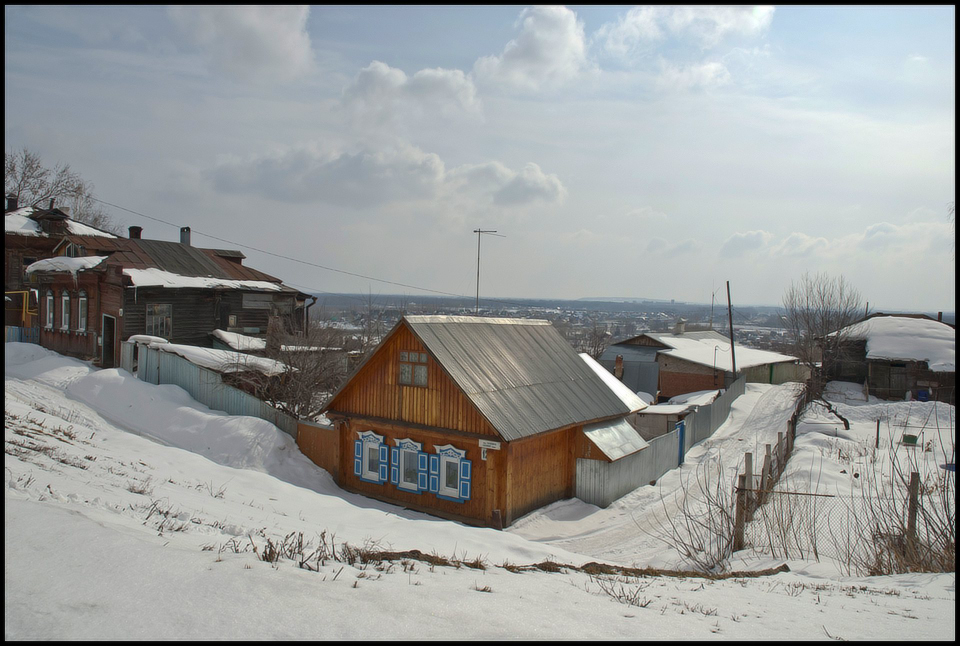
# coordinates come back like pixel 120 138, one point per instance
pixel 477 510
pixel 540 470
pixel 322 445
pixel 374 392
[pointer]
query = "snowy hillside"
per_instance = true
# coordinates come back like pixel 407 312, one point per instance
pixel 133 512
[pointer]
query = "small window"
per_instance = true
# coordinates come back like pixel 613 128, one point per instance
pixel 49 305
pixel 82 311
pixel 413 368
pixel 370 457
pixel 450 474
pixel 159 320
pixel 408 466
pixel 73 251
pixel 65 310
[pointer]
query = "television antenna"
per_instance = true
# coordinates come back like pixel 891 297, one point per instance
pixel 480 233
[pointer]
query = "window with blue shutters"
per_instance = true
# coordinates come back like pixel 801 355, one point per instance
pixel 450 473
pixel 408 466
pixel 370 457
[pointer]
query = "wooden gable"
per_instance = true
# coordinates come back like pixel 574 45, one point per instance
pixel 374 391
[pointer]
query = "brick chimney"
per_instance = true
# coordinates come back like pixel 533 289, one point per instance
pixel 52 200
pixel 185 235
pixel 11 203
pixel 135 232
pixel 680 326
pixel 618 367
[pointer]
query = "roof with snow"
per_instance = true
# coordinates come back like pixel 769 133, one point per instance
pixel 25 222
pixel 65 264
pixel 904 338
pixel 223 361
pixel 710 348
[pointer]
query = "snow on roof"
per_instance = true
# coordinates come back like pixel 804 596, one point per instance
pixel 146 338
pixel 667 409
pixel 713 351
pixel 240 342
pixel 631 399
pixel 158 278
pixel 908 339
pixel 20 223
pixel 81 229
pixel 699 398
pixel 222 360
pixel 65 264
pixel 615 438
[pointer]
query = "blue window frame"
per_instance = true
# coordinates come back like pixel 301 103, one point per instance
pixel 408 466
pixel 450 474
pixel 370 457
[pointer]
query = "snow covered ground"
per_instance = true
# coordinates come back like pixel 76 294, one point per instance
pixel 132 512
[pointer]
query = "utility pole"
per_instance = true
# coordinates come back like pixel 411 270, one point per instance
pixel 479 232
pixel 733 356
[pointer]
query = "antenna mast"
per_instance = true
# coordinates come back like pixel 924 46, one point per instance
pixel 479 232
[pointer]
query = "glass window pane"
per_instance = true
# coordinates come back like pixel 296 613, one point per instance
pixel 420 375
pixel 409 459
pixel 423 357
pixel 451 477
pixel 403 356
pixel 373 458
pixel 406 373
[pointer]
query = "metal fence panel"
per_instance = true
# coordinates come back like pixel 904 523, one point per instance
pixel 126 356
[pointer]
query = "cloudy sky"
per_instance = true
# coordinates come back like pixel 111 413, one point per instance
pixel 638 152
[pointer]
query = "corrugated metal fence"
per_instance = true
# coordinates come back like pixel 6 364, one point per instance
pixel 14 334
pixel 600 483
pixel 206 386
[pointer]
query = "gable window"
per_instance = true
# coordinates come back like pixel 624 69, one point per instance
pixel 159 320
pixel 450 474
pixel 49 305
pixel 73 251
pixel 413 368
pixel 370 460
pixel 408 466
pixel 82 311
pixel 64 310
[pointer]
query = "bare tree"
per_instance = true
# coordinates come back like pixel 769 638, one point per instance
pixel 817 311
pixel 596 339
pixel 26 178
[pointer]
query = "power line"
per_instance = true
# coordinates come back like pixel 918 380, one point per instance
pixel 304 262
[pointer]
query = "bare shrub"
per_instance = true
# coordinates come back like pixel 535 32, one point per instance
pixel 700 528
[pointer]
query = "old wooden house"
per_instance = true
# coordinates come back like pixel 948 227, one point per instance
pixel 475 419
pixel 899 356
pixel 97 291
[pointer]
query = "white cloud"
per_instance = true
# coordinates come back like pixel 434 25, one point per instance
pixel 549 51
pixel 367 178
pixel 702 75
pixel 248 42
pixel 646 216
pixel 800 244
pixel 660 246
pixel 381 94
pixel 740 244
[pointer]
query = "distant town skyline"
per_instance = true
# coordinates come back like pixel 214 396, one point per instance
pixel 644 152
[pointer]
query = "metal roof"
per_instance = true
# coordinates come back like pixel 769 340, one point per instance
pixel 521 374
pixel 615 438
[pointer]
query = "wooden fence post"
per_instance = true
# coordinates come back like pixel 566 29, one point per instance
pixel 914 495
pixel 765 474
pixel 781 455
pixel 739 515
pixel 876 444
pixel 750 497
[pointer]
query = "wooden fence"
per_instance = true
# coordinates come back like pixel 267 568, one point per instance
pixel 600 483
pixel 204 385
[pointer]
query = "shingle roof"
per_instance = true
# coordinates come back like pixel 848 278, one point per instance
pixel 521 374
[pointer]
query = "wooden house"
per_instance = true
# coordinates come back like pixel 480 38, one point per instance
pixel 97 291
pixel 475 419
pixel 899 356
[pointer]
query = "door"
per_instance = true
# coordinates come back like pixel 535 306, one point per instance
pixel 108 349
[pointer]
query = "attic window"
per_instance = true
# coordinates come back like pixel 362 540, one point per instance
pixel 73 251
pixel 413 368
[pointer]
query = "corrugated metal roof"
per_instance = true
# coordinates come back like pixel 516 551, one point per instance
pixel 616 438
pixel 521 374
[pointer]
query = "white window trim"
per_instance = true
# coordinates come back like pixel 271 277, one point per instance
pixel 369 439
pixel 64 310
pixel 82 305
pixel 410 448
pixel 449 455
pixel 51 301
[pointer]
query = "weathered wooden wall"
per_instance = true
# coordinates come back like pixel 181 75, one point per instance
pixel 322 445
pixel 540 470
